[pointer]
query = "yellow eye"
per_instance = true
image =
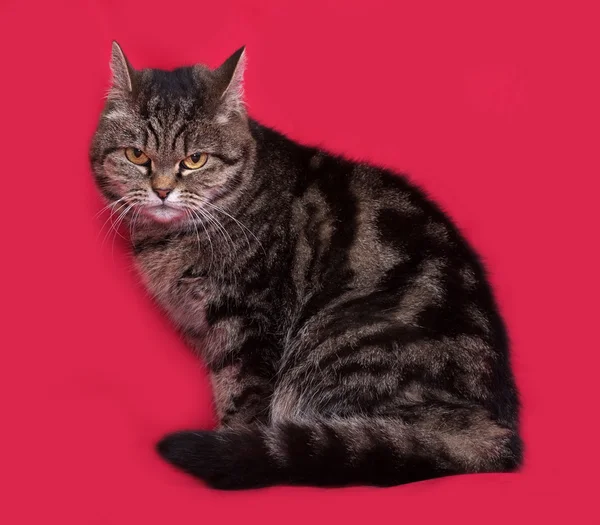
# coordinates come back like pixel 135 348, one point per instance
pixel 137 156
pixel 195 161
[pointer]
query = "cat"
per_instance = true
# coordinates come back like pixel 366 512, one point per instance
pixel 350 331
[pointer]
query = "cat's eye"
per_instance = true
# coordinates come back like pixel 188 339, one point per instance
pixel 137 156
pixel 195 161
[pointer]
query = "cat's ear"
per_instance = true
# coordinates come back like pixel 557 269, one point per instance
pixel 123 75
pixel 230 78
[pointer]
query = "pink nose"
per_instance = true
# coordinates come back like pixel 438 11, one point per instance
pixel 163 193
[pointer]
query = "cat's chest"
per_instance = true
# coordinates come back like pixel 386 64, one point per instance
pixel 181 292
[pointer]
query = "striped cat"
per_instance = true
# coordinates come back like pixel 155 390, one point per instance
pixel 349 329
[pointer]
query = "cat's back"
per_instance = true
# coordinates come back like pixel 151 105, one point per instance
pixel 358 198
pixel 349 217
pixel 367 236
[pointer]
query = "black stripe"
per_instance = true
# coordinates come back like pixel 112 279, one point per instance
pixel 151 243
pixel 177 135
pixel 336 273
pixel 106 153
pixel 231 161
pixel 153 131
pixel 145 138
pixel 395 335
pixel 257 355
pixel 376 369
pixel 248 395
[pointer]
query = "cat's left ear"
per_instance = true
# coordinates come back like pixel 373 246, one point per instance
pixel 124 76
pixel 230 79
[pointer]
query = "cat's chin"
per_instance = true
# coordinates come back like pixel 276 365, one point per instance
pixel 164 214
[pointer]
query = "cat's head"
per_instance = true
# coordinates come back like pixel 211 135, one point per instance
pixel 170 142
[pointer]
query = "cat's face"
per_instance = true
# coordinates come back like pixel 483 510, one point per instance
pixel 171 143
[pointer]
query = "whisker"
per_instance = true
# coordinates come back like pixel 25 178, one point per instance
pixel 238 222
pixel 241 225
pixel 117 224
pixel 113 229
pixel 120 222
pixel 108 206
pixel 133 223
pixel 223 231
pixel 115 207
pixel 221 228
pixel 109 220
pixel 192 219
pixel 215 222
pixel 193 214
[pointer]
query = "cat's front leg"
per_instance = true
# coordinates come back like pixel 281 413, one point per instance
pixel 241 397
pixel 236 347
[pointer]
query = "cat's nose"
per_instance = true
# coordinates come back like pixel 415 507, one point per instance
pixel 163 193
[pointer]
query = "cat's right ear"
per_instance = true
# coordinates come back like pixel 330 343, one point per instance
pixel 230 79
pixel 123 75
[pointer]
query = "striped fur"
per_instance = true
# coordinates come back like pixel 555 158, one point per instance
pixel 350 330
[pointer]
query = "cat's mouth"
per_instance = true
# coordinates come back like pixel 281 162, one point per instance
pixel 164 212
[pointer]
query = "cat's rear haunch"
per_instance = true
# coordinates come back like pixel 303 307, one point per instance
pixel 350 332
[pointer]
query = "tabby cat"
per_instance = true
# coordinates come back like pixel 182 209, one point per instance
pixel 350 332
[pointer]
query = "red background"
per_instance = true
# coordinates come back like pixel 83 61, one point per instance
pixel 493 109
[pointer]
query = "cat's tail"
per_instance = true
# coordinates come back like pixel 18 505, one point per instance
pixel 349 451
